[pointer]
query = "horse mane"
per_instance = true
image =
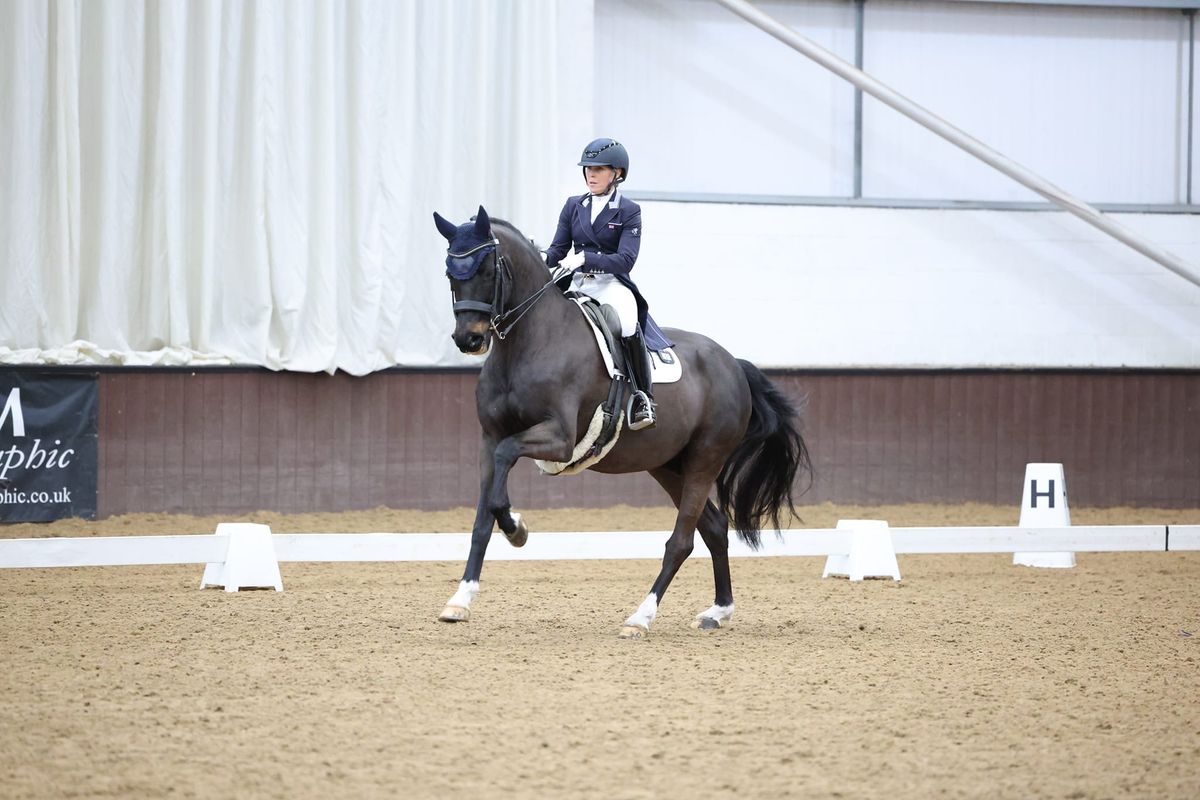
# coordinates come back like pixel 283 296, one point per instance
pixel 530 249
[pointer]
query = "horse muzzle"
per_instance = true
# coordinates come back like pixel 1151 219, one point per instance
pixel 473 338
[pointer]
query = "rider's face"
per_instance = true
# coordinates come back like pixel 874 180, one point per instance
pixel 599 178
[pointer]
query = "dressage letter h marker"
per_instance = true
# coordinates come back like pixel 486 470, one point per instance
pixel 1053 513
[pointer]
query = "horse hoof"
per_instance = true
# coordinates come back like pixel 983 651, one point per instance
pixel 520 536
pixel 633 632
pixel 707 624
pixel 455 614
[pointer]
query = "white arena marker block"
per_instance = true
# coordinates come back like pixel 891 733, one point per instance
pixel 250 562
pixel 1044 505
pixel 871 552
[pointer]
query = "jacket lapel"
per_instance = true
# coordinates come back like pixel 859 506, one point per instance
pixel 583 221
pixel 608 213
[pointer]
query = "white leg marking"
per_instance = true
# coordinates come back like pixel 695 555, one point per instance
pixel 458 608
pixel 645 613
pixel 722 615
pixel 465 594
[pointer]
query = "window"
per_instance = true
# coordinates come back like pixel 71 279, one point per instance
pixel 1092 99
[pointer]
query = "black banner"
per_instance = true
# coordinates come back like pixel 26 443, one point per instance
pixel 48 452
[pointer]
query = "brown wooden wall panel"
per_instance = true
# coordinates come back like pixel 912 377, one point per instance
pixel 1125 437
pixel 231 441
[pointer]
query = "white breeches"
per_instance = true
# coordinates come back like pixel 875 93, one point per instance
pixel 607 289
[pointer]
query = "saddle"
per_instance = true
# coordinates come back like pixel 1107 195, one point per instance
pixel 604 319
pixel 606 325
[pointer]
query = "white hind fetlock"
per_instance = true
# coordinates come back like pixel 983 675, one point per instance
pixel 714 617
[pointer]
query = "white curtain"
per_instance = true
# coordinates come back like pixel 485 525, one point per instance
pixel 253 181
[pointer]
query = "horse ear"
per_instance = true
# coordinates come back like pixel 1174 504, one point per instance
pixel 445 226
pixel 483 225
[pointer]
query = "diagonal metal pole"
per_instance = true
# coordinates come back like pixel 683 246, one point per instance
pixel 1190 13
pixel 960 138
pixel 859 24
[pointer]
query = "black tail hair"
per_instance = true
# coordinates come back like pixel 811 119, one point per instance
pixel 756 484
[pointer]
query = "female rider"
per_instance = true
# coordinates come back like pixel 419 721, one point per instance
pixel 598 237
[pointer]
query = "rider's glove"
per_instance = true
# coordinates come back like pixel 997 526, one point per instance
pixel 572 260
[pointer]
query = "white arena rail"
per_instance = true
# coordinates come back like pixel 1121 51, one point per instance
pixel 111 551
pixel 242 554
pixel 561 546
pixel 346 547
pixel 1183 537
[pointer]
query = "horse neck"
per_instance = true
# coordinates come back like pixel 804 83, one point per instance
pixel 528 273
pixel 545 317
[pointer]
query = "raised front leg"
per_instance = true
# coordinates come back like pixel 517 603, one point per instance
pixel 551 440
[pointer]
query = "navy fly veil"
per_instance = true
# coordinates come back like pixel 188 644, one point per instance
pixel 469 244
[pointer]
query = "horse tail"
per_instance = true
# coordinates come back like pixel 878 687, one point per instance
pixel 757 482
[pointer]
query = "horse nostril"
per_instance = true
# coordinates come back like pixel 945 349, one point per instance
pixel 475 341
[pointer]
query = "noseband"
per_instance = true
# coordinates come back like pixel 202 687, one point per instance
pixel 501 323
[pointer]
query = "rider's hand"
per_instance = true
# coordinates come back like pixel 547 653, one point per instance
pixel 572 260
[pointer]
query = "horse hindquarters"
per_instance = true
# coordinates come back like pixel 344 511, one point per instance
pixel 756 483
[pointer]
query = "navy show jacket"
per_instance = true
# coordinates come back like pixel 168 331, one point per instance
pixel 610 246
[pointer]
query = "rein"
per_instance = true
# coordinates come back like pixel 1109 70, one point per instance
pixel 502 321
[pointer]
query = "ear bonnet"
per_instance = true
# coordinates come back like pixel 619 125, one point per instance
pixel 469 244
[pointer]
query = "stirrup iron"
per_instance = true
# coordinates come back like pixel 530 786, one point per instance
pixel 648 418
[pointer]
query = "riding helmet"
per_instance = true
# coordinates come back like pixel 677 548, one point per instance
pixel 606 153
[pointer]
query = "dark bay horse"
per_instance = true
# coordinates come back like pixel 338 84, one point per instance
pixel 722 424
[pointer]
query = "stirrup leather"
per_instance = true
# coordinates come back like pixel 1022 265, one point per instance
pixel 640 378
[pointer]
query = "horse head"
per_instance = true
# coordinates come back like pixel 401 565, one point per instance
pixel 497 277
pixel 476 272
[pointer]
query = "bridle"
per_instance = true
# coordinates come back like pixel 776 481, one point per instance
pixel 502 321
pixel 501 268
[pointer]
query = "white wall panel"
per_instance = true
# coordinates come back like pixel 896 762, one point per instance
pixel 1093 99
pixel 1183 104
pixel 804 286
pixel 707 103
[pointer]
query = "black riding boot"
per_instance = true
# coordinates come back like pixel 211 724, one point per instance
pixel 641 410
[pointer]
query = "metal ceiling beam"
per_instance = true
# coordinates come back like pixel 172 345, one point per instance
pixel 955 136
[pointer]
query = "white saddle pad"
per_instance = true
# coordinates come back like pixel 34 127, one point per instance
pixel 665 366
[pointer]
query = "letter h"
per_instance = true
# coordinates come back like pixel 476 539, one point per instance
pixel 1034 494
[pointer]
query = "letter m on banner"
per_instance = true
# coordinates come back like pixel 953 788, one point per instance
pixel 49 444
pixel 12 407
